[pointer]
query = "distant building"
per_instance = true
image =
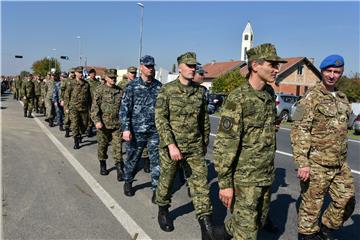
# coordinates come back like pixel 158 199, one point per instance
pixel 247 41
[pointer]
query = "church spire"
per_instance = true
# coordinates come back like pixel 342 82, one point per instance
pixel 247 41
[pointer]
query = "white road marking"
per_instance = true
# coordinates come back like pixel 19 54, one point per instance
pixel 290 155
pixel 119 213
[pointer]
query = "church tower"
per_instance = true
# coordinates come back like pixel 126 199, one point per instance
pixel 247 41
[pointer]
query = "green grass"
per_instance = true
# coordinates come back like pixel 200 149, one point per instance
pixel 350 133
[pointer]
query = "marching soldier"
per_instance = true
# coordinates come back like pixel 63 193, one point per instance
pixel 105 114
pixel 67 83
pixel 77 103
pixel 28 93
pixel 184 128
pixel 94 83
pixel 50 109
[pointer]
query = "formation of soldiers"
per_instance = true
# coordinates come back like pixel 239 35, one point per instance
pixel 172 123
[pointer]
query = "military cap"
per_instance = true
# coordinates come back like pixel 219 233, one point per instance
pixel 187 58
pixel 265 52
pixel 79 69
pixel 147 60
pixel 132 69
pixel 332 61
pixel 92 71
pixel 200 69
pixel 71 70
pixel 111 72
pixel 64 74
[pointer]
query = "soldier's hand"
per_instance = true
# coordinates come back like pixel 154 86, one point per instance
pixel 304 173
pixel 62 103
pixel 98 125
pixel 127 136
pixel 67 110
pixel 226 196
pixel 175 153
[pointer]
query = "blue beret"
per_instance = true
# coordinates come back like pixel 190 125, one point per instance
pixel 147 60
pixel 332 61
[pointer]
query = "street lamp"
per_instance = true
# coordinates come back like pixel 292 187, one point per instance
pixel 78 37
pixel 54 58
pixel 141 27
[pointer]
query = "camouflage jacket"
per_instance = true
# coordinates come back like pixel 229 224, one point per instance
pixel 319 133
pixel 181 117
pixel 66 83
pixel 28 89
pixel 49 89
pixel 18 83
pixel 43 88
pixel 37 87
pixel 93 85
pixel 77 96
pixel 106 106
pixel 137 111
pixel 244 148
pixel 123 83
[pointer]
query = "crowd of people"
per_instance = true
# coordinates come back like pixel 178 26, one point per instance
pixel 171 122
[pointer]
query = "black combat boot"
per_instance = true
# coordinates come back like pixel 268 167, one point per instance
pixel 25 112
pixel 51 122
pixel 103 170
pixel 146 165
pixel 41 111
pixel 325 233
pixel 67 132
pixel 164 220
pixel 221 233
pixel 207 231
pixel 120 170
pixel 128 190
pixel 61 128
pixel 45 112
pixel 76 142
pixel 29 115
pixel 314 236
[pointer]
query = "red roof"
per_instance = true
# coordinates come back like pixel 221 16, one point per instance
pixel 217 69
pixel 99 70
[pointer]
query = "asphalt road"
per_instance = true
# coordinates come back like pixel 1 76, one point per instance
pixel 51 191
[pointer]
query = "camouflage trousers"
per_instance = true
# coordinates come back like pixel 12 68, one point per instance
pixel 79 121
pixel 134 149
pixel 104 137
pixel 28 104
pixel 50 109
pixel 339 183
pixel 197 173
pixel 66 119
pixel 249 211
pixel 36 102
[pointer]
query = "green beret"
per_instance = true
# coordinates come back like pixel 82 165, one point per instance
pixel 265 52
pixel 187 58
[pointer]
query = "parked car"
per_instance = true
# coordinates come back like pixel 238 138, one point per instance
pixel 215 102
pixel 357 125
pixel 284 103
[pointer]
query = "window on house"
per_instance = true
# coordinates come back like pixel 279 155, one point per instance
pixel 252 37
pixel 300 70
pixel 245 57
pixel 246 37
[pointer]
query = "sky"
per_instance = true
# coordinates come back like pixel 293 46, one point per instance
pixel 110 31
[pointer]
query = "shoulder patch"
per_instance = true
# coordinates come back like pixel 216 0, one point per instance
pixel 226 124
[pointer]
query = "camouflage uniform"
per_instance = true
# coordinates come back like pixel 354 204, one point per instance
pixel 28 91
pixel 244 150
pixel 77 99
pixel 181 118
pixel 37 98
pixel 43 88
pixel 66 84
pixel 105 110
pixel 137 114
pixel 18 88
pixel 94 83
pixel 319 140
pixel 50 110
